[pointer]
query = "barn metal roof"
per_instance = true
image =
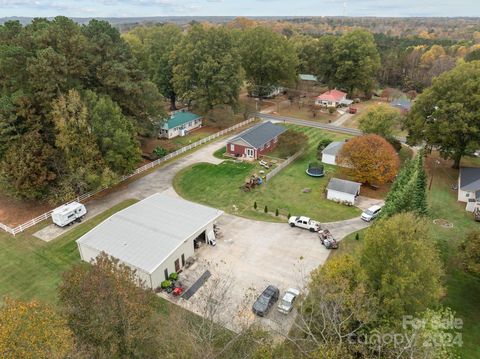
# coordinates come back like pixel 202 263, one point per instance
pixel 260 134
pixel 146 233
pixel 340 185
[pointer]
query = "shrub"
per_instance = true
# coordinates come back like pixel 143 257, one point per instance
pixel 331 110
pixel 276 212
pixel 173 276
pixel 289 215
pixel 160 152
pixel 290 142
pixel 166 284
pixel 357 236
pixel 395 143
pixel 265 209
pixel 255 205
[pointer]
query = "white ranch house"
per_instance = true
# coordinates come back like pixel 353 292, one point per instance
pixel 180 123
pixel 469 187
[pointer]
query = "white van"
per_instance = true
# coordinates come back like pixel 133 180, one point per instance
pixel 68 213
pixel 371 213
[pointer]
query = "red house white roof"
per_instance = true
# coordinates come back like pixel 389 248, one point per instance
pixel 332 95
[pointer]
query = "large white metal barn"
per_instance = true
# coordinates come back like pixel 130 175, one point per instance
pixel 154 236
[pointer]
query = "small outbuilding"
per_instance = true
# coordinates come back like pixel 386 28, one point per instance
pixel 180 123
pixel 343 191
pixel 154 236
pixel 330 153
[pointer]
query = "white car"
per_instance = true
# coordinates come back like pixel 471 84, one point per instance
pixel 371 213
pixel 305 223
pixel 286 303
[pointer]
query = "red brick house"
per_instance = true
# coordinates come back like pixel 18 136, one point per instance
pixel 255 141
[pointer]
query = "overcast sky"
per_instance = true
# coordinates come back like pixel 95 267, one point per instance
pixel 122 8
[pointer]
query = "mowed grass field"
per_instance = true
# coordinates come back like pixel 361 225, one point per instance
pixel 31 268
pixel 462 289
pixel 219 186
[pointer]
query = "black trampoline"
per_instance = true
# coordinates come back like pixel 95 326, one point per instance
pixel 315 169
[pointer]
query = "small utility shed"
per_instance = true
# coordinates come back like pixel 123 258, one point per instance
pixel 343 191
pixel 154 236
pixel 330 153
pixel 179 123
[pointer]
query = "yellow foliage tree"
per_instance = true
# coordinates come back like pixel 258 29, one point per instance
pixel 30 330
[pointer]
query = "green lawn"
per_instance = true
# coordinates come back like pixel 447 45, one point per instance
pixel 219 186
pixel 31 268
pixel 463 290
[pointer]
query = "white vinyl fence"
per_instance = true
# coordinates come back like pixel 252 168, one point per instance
pixel 282 165
pixel 139 170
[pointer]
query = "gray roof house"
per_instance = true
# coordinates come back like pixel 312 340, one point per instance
pixel 343 191
pixel 154 236
pixel 330 153
pixel 469 187
pixel 255 141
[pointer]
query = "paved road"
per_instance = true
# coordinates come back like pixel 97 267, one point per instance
pixel 323 126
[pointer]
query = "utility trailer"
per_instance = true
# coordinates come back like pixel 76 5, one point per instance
pixel 68 214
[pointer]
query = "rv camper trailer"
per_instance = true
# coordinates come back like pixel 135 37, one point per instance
pixel 68 213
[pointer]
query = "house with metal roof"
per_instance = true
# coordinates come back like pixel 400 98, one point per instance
pixel 255 142
pixel 333 98
pixel 330 153
pixel 308 78
pixel 343 191
pixel 469 187
pixel 402 103
pixel 155 236
pixel 180 123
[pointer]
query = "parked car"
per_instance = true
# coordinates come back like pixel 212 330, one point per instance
pixel 263 303
pixel 286 304
pixel 371 213
pixel 352 110
pixel 305 223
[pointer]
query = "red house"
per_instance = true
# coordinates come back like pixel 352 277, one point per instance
pixel 255 141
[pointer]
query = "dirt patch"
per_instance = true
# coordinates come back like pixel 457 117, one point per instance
pixel 443 223
pixel 14 212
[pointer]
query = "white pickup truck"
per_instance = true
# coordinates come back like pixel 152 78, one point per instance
pixel 305 223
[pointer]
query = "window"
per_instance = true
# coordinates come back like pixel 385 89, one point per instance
pixel 166 273
pixel 467 195
pixel 183 260
pixel 232 147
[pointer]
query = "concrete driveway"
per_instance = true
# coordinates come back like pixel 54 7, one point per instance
pixel 249 256
pixel 157 181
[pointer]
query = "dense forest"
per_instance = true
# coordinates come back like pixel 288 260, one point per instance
pixel 74 98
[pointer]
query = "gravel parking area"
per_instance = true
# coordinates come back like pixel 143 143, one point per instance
pixel 250 256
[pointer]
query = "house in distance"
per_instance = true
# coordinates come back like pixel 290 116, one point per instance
pixel 255 141
pixel 333 98
pixel 469 187
pixel 180 123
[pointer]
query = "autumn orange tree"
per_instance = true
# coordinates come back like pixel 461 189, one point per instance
pixel 33 330
pixel 369 159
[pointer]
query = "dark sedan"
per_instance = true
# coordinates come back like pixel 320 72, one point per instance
pixel 265 301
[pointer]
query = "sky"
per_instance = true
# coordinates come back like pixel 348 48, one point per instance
pixel 126 8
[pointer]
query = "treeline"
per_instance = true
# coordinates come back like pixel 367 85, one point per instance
pixel 72 100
